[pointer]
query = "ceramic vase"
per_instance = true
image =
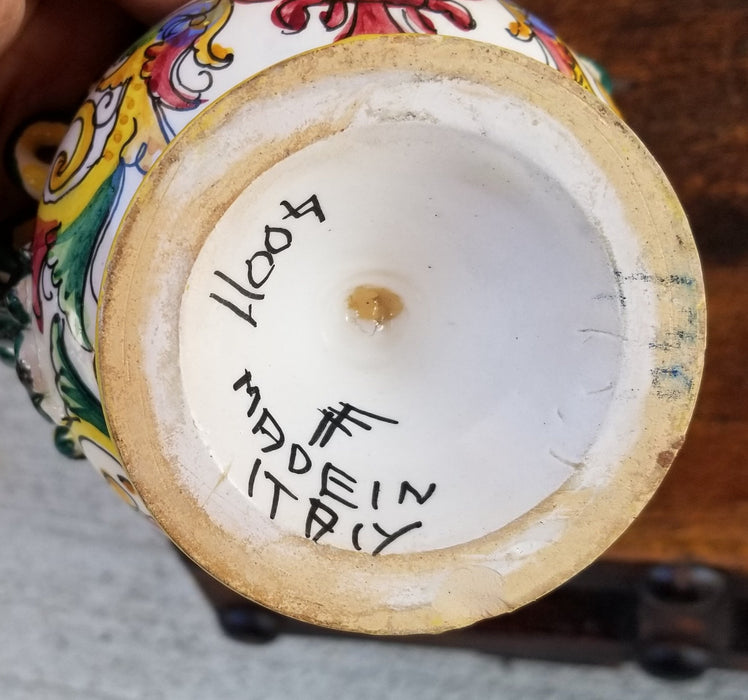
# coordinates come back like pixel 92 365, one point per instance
pixel 377 308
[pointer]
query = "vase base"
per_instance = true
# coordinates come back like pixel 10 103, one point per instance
pixel 383 341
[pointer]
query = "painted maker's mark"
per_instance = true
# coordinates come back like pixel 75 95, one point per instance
pixel 335 420
pixel 337 497
pixel 302 482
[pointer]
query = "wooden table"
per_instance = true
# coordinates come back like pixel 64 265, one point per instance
pixel 680 72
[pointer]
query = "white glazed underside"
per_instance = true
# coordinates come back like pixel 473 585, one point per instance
pixel 541 372
pixel 488 220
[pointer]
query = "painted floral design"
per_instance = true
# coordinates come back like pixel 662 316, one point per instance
pixel 371 16
pixel 130 106
pixel 123 126
pixel 526 27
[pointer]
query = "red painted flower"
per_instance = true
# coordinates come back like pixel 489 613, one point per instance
pixel 370 16
pixel 45 234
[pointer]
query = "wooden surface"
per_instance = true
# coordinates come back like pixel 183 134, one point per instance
pixel 680 71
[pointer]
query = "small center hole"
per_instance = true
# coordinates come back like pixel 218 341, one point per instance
pixel 377 304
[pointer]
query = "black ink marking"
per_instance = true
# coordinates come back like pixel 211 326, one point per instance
pixel 375 495
pixel 567 462
pixel 277 239
pixel 292 466
pixel 252 391
pixel 334 419
pixel 600 331
pixel 354 536
pixel 277 437
pixel 277 488
pixel 621 296
pixel 284 233
pixel 238 287
pixel 421 498
pixel 674 340
pixel 608 387
pixel 328 478
pixel 261 255
pixel 390 538
pixel 693 316
pixel 312 207
pixel 252 477
pixel 314 517
pixel 684 280
pixel 245 316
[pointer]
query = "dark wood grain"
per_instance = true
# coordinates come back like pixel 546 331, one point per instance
pixel 680 72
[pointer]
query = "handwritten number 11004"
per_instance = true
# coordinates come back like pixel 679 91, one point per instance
pixel 260 265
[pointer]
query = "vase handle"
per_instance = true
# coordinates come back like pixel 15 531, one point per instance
pixel 33 154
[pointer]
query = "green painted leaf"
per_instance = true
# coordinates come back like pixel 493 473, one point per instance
pixel 13 321
pixel 79 399
pixel 14 264
pixel 70 256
